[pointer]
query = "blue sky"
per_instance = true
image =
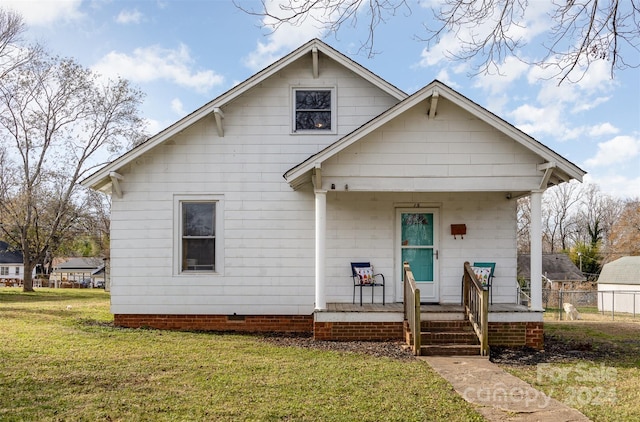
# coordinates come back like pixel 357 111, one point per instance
pixel 184 53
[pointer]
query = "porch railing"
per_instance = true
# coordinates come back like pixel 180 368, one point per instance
pixel 476 306
pixel 412 307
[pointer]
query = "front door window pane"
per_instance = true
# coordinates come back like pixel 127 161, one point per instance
pixel 417 229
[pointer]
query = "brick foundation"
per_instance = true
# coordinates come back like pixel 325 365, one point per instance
pixel 243 323
pixel 514 334
pixel 365 331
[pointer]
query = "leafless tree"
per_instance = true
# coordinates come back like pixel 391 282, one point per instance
pixel 558 225
pixel 583 31
pixel 96 221
pixel 598 213
pixel 524 225
pixel 56 117
pixel 13 53
pixel 624 237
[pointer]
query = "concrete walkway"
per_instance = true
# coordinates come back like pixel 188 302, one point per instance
pixel 498 395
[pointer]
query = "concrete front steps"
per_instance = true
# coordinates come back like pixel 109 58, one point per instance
pixel 448 338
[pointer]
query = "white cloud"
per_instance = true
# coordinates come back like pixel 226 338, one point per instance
pixel 155 63
pixel 511 70
pixel 447 47
pixel 603 129
pixel 549 112
pixel 286 38
pixel 615 184
pixel 154 126
pixel 41 13
pixel 443 76
pixel 129 16
pixel 178 107
pixel 542 121
pixel 588 105
pixel 615 151
pixel 497 103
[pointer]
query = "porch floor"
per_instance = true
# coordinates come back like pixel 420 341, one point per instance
pixel 399 308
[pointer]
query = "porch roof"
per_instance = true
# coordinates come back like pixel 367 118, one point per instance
pixel 554 169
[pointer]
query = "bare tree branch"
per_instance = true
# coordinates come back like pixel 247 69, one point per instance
pixel 584 31
pixel 331 15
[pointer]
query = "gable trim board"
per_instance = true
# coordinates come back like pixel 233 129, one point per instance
pixel 280 241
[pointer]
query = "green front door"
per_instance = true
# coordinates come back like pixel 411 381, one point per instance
pixel 418 231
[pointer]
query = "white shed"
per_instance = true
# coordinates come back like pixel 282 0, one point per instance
pixel 619 285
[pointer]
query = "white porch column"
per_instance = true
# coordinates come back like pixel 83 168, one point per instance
pixel 536 250
pixel 321 234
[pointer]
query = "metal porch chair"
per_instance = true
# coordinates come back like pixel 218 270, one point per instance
pixel 489 280
pixel 364 276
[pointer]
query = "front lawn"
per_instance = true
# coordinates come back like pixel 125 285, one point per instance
pixel 598 370
pixel 63 360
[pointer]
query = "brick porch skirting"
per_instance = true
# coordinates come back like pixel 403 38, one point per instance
pixel 513 334
pixel 354 331
pixel 243 323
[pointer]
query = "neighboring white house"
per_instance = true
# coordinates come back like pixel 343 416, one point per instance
pixel 11 265
pixel 82 271
pixel 247 212
pixel 619 285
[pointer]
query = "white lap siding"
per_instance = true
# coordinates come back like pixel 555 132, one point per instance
pixel 362 227
pixel 268 229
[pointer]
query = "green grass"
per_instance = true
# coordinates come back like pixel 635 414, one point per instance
pixel 606 388
pixel 61 359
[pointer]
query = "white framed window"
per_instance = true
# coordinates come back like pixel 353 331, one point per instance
pixel 198 234
pixel 17 270
pixel 314 110
pixel 4 270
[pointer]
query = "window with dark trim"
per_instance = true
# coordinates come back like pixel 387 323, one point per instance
pixel 198 236
pixel 313 109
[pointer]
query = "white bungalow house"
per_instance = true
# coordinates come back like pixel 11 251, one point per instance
pixel 78 272
pixel 11 266
pixel 246 214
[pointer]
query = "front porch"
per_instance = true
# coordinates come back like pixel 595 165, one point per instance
pixel 509 324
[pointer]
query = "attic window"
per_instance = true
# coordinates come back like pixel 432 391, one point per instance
pixel 313 110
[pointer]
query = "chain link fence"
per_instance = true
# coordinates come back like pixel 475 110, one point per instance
pixel 592 304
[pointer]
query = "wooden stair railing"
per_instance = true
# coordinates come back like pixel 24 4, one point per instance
pixel 476 306
pixel 412 307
